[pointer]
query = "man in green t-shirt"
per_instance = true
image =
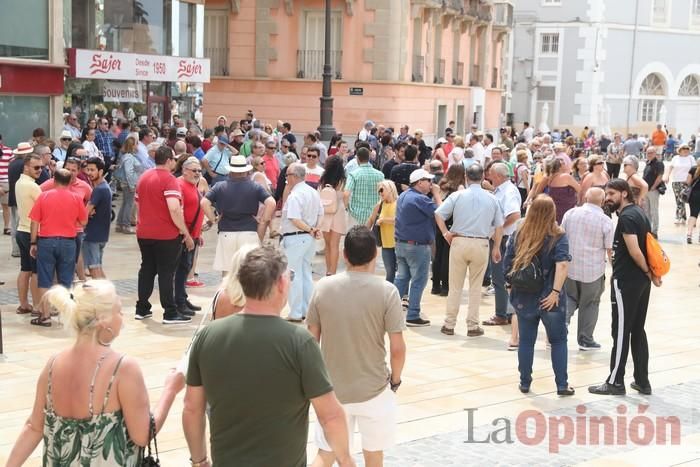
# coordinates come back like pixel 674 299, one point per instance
pixel 259 373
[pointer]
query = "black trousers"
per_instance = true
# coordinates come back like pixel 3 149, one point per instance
pixel 183 269
pixel 613 170
pixel 158 257
pixel 441 262
pixel 630 300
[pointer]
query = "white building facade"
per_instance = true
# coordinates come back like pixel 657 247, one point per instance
pixel 610 65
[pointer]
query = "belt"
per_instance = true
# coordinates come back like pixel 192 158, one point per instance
pixel 469 236
pixel 412 242
pixel 298 232
pixel 56 238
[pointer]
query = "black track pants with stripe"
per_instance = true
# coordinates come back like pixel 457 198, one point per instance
pixel 630 300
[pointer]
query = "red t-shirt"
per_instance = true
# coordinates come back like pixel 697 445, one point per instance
pixel 154 221
pixel 206 145
pixel 272 169
pixel 81 189
pixel 58 212
pixel 190 203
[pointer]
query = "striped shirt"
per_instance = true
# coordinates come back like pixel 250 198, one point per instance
pixel 5 158
pixel 362 184
pixel 590 234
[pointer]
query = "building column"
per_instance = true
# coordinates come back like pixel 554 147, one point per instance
pixel 264 28
pixel 57 57
pixel 390 30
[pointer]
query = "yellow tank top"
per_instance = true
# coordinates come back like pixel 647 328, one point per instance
pixel 387 230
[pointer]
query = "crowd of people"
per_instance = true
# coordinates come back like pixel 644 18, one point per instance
pixel 528 220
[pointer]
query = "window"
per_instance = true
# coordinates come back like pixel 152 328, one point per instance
pixel 690 87
pixel 186 31
pixel 659 11
pixel 696 7
pixel 695 13
pixel 216 40
pixel 310 56
pixel 20 115
pixel 24 30
pixel 549 43
pixel 123 26
pixel 551 2
pixel 649 110
pixel 652 86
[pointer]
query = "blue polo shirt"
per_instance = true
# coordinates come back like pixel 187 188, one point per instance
pixel 415 217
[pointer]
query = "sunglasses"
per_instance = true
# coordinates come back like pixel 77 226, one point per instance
pixel 197 171
pixel 312 157
pixel 270 147
pixel 66 139
pixel 599 163
pixel 37 167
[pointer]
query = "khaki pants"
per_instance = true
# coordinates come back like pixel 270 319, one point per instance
pixel 470 254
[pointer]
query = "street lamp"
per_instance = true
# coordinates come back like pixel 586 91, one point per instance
pixel 326 128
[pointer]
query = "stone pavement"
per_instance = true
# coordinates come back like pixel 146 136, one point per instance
pixel 443 376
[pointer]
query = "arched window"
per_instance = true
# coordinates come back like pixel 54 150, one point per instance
pixel 690 86
pixel 650 104
pixel 652 86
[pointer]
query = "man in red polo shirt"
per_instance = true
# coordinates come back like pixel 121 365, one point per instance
pixel 55 217
pixel 160 231
pixel 194 214
pixel 83 190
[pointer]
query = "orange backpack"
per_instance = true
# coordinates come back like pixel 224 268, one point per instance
pixel 657 260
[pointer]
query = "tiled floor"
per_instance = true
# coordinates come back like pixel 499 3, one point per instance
pixel 444 376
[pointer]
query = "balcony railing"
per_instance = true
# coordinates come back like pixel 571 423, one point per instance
pixel 310 64
pixel 474 78
pixel 218 57
pixel 458 73
pixel 417 69
pixel 494 78
pixel 439 72
pixel 503 15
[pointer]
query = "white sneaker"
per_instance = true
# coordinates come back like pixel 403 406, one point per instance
pixel 489 292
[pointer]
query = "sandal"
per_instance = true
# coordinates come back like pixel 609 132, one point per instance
pixel 24 311
pixel 40 321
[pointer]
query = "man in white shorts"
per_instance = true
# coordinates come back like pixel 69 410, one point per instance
pixel 237 200
pixel 351 329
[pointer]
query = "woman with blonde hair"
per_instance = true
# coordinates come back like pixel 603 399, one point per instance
pixel 536 264
pixel 384 216
pixel 457 154
pixel 91 406
pixel 229 299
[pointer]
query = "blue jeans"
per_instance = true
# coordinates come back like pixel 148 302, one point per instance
pixel 389 260
pixel 300 250
pixel 498 279
pixel 55 255
pixel 555 325
pixel 413 263
pixel 124 215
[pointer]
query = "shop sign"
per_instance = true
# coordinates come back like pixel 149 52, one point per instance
pixel 121 92
pixel 97 64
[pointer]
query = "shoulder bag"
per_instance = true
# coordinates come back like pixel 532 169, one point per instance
pixel 148 460
pixel 684 195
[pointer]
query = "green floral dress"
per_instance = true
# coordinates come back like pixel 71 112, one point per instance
pixel 97 441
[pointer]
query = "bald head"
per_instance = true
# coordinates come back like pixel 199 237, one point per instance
pixel 595 195
pixel 180 147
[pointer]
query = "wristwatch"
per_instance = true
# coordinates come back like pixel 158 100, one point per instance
pixel 393 386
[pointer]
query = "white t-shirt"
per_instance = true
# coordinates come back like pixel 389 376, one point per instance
pixel 681 165
pixel 478 150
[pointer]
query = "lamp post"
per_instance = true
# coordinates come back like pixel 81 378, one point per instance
pixel 326 128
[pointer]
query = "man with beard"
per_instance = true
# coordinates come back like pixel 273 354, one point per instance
pixel 631 285
pixel 100 216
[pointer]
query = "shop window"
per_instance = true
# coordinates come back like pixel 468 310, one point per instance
pixel 141 26
pixel 24 29
pixel 20 115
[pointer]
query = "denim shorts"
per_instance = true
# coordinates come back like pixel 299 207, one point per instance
pixel 92 254
pixel 26 262
pixel 55 256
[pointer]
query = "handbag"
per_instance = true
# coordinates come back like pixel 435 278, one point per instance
pixel 685 193
pixel 148 460
pixel 529 278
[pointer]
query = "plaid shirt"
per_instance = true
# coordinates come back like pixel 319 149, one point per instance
pixel 590 234
pixel 104 142
pixel 362 184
